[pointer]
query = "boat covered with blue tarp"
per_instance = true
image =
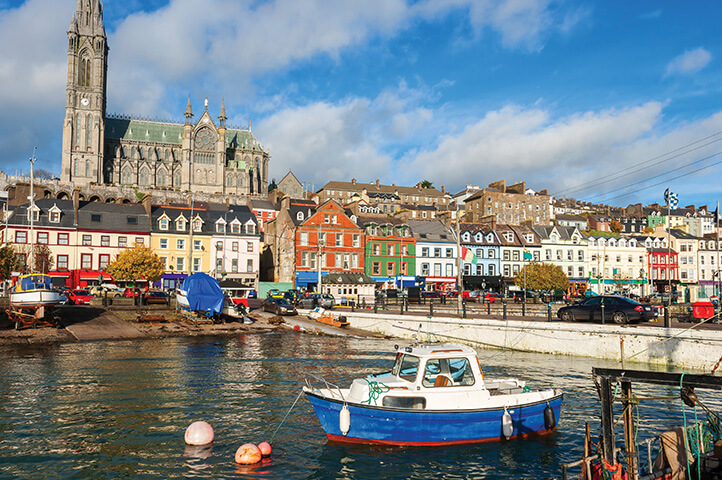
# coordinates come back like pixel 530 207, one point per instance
pixel 201 293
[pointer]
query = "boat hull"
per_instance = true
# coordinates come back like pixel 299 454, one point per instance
pixel 34 298
pixel 394 426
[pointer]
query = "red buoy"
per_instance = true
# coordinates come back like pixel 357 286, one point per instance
pixel 248 454
pixel 265 449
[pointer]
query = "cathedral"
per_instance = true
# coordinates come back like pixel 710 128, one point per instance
pixel 203 155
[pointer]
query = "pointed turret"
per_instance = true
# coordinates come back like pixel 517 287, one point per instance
pixel 222 117
pixel 189 112
pixel 73 28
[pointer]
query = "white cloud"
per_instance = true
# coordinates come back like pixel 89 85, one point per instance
pixel 691 61
pixel 515 143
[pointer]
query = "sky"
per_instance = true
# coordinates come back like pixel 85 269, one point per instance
pixel 603 101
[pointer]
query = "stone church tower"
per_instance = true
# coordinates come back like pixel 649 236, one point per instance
pixel 143 153
pixel 84 124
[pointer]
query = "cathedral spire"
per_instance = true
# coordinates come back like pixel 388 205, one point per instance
pixel 189 111
pixel 222 117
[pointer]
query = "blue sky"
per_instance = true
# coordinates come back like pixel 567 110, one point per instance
pixel 603 101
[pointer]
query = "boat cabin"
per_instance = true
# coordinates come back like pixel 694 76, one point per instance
pixel 439 376
pixel 27 283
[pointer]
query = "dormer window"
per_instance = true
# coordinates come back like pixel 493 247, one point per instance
pixel 197 225
pixel 466 237
pixel 299 216
pixel 180 224
pixel 220 226
pixel 54 214
pixel 250 228
pixel 235 227
pixel 35 213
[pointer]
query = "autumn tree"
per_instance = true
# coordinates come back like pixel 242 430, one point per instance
pixel 542 276
pixel 137 262
pixel 41 261
pixel 616 226
pixel 9 261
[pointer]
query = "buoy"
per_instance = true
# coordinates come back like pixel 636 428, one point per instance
pixel 265 449
pixel 507 427
pixel 199 433
pixel 550 420
pixel 247 454
pixel 296 327
pixel 344 420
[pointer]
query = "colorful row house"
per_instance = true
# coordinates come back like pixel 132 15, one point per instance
pixel 390 251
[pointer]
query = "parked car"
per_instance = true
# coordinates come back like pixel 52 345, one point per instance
pixel 78 297
pixel 99 291
pixel 131 292
pixel 429 294
pixel 274 293
pixel 279 306
pixel 313 300
pixel 156 297
pixel 465 294
pixel 616 309
pixel 491 297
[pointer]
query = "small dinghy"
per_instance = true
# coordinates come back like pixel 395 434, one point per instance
pixel 434 395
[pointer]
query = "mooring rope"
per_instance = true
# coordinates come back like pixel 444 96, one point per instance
pixel 284 418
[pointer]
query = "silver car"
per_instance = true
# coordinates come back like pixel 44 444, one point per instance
pixel 314 300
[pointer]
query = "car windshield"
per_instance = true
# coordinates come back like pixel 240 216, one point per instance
pixel 82 292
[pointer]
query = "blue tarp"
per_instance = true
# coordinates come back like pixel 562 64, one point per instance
pixel 203 293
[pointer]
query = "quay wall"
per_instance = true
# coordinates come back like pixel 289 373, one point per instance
pixel 698 349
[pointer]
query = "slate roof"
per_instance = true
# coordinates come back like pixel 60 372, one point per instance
pixel 262 204
pixel 209 218
pixel 364 220
pixel 372 187
pixel 431 231
pixel 345 278
pixel 67 217
pixel 307 207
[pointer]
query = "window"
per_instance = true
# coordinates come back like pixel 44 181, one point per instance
pixel 21 237
pixel 390 250
pixel 164 262
pixel 163 224
pixel 180 224
pixel 404 268
pixel 390 269
pixel 180 264
pixel 356 240
pixel 62 261
pixel 197 245
pixel 220 227
pixel 86 261
pixel 132 220
pixel 164 243
pixel 103 261
pixel 43 237
pixel 339 239
pixel 180 244
pixel 219 264
pixel 249 265
pixel 304 238
pixel 249 246
pixel 437 252
pixel 376 248
pixel 449 252
pixel 492 271
pixel 196 264
pixel 425 251
pixel 234 265
pixel 425 269
pixel 234 246
pixel 62 238
pixel 105 240
pixel 250 228
pixel 55 217
pixel 96 218
pixel 123 242
pixel 437 269
pixel 87 240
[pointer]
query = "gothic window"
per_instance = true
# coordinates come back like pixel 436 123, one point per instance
pixel 88 127
pixel 76 168
pixel 229 181
pixel 140 153
pixel 143 177
pixel 87 168
pixel 161 178
pixel 204 147
pixel 167 154
pixel 77 129
pixel 239 181
pixel 125 177
pixel 84 70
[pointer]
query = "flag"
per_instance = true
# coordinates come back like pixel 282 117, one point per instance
pixel 671 198
pixel 468 256
pixel 716 216
pixel 527 255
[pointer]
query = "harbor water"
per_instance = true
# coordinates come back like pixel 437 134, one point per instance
pixel 120 409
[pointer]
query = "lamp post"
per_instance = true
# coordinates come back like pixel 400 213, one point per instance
pixel 190 229
pixel 225 231
pixel 32 211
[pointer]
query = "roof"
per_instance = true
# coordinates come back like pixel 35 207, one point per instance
pixel 257 204
pixel 431 231
pixel 209 218
pixel 346 278
pixel 374 188
pixel 364 220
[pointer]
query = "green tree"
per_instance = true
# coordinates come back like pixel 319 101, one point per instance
pixel 137 262
pixel 542 276
pixel 9 261
pixel 426 184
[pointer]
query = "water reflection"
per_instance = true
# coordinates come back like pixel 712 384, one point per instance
pixel 121 408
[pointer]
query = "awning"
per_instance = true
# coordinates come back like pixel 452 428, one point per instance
pixel 440 279
pixel 93 275
pixel 303 279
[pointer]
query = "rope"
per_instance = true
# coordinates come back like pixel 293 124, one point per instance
pixel 284 418
pixel 684 416
pixel 675 335
pixel 375 391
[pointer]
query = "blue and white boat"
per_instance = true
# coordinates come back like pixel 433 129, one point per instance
pixel 434 395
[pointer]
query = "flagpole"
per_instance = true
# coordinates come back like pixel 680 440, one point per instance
pixel 719 272
pixel 669 249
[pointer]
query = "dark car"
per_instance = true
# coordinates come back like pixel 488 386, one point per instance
pixel 429 294
pixel 156 298
pixel 279 306
pixel 616 309
pixel 313 300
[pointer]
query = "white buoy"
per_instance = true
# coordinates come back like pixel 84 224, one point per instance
pixel 199 433
pixel 507 427
pixel 344 420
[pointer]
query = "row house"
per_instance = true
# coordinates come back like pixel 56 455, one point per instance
pixel 83 237
pixel 567 248
pixel 509 205
pixel 617 264
pixel 662 263
pixel 328 240
pixel 436 254
pixel 280 245
pixel 264 211
pixel 222 242
pixel 710 257
pixel 390 253
pixel 486 247
pixel 514 240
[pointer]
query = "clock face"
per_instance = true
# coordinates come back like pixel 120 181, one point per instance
pixel 84 102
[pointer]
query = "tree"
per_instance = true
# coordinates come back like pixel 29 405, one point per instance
pixel 648 230
pixel 137 262
pixel 542 276
pixel 43 174
pixel 426 184
pixel 615 226
pixel 43 260
pixel 9 261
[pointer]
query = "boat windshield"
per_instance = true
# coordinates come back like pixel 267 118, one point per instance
pixel 406 367
pixel 456 369
pixel 35 282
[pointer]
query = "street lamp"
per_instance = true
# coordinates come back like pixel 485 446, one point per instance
pixel 225 231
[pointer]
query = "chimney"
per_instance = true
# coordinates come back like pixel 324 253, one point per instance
pixel 377 182
pixel 76 203
pixel 353 181
pixel 145 201
pixel 443 188
pixel 285 202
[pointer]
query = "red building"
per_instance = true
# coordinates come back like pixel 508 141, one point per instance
pixel 663 268
pixel 330 235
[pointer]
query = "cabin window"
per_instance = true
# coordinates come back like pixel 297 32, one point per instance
pixel 447 372
pixel 418 403
pixel 406 367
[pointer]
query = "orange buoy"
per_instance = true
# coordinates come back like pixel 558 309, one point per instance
pixel 265 449
pixel 199 433
pixel 247 454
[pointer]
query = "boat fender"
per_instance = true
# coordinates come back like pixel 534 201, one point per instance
pixel 344 420
pixel 550 420
pixel 507 426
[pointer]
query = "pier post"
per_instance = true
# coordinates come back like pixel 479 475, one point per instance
pixel 667 322
pixel 629 444
pixel 431 308
pixel 549 313
pixel 503 314
pixel 463 308
pixel 607 420
pixel 602 313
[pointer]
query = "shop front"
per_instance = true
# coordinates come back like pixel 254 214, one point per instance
pixel 441 284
